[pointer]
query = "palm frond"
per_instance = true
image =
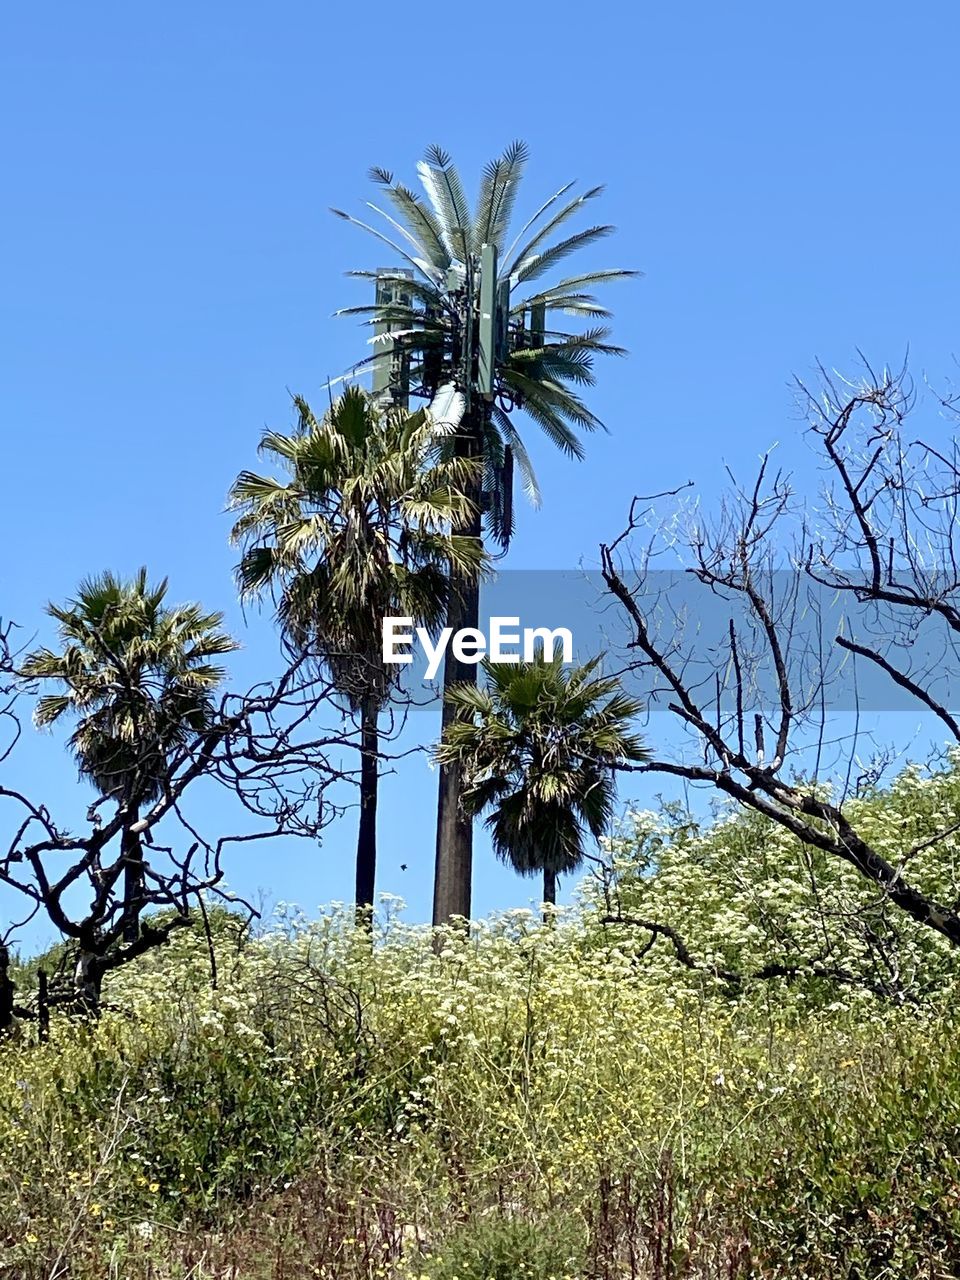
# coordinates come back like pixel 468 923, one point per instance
pixel 558 432
pixel 528 476
pixel 50 708
pixel 594 340
pixel 541 395
pixel 421 251
pixel 555 364
pixel 547 230
pixel 571 304
pixel 441 181
pixel 535 265
pixel 420 219
pixel 532 221
pixel 607 276
pixel 419 264
pixel 498 193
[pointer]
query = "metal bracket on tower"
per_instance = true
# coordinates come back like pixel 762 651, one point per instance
pixel 503 320
pixel 391 370
pixel 487 329
pixel 538 324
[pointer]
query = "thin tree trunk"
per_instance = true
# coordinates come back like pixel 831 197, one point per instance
pixel 454 864
pixel 43 1006
pixel 87 981
pixel 7 991
pixel 367 835
pixel 549 887
pixel 132 877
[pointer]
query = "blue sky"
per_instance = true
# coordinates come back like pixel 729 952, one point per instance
pixel 784 175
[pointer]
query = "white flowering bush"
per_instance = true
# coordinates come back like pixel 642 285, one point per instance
pixel 745 895
pixel 434 1105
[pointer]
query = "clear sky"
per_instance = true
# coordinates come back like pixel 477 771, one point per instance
pixel 785 176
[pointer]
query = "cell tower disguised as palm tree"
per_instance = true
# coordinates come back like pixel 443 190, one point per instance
pixel 466 326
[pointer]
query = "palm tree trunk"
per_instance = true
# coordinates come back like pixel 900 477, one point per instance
pixel 367 835
pixel 454 865
pixel 132 877
pixel 549 887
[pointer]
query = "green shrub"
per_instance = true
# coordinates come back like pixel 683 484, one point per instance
pixel 504 1248
pixel 525 1097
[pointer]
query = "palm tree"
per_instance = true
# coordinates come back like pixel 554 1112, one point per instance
pixel 138 677
pixel 359 531
pixel 464 322
pixel 537 748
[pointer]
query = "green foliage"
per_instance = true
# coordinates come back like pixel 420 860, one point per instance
pixel 502 1248
pixel 359 531
pixel 745 894
pixel 137 675
pixel 519 1098
pixel 439 239
pixel 537 746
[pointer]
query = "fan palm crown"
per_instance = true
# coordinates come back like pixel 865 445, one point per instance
pixel 136 674
pixel 358 530
pixel 538 744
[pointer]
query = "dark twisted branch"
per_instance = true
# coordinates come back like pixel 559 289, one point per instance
pixel 879 500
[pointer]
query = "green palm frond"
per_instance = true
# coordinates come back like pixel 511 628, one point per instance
pixel 362 531
pixel 374 313
pixel 548 402
pixel 441 181
pixel 608 276
pixel 594 339
pixel 573 207
pixel 421 251
pixel 419 264
pixel 420 220
pixel 572 304
pixel 560 434
pixel 532 221
pixel 498 194
pixel 50 708
pixel 528 477
pixel 537 746
pixel 535 265
pixel 136 675
pixel 555 364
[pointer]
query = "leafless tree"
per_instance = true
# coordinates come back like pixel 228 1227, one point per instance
pixel 783 609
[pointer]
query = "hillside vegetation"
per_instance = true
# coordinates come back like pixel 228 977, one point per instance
pixel 558 1100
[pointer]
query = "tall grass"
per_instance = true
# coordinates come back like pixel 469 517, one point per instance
pixel 528 1102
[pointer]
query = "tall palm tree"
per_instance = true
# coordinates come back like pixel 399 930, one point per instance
pixel 138 677
pixel 537 747
pixel 358 531
pixel 432 323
